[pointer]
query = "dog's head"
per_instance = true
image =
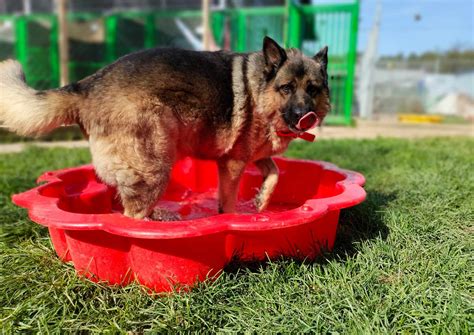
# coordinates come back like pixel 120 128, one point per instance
pixel 296 86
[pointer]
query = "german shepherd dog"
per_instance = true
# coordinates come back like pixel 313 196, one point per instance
pixel 150 108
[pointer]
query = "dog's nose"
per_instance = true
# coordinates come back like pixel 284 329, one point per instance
pixel 299 112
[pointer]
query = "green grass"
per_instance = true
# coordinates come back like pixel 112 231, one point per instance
pixel 69 133
pixel 402 261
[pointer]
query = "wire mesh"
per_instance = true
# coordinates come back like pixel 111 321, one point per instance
pixel 259 26
pixel 39 51
pixel 87 45
pixel 177 30
pixel 7 37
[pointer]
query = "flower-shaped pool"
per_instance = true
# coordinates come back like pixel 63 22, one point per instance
pixel 85 221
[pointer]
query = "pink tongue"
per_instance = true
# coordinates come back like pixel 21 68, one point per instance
pixel 308 121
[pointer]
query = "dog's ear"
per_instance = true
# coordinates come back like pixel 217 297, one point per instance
pixel 274 55
pixel 322 57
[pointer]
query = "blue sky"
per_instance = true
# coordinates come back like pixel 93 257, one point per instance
pixel 443 25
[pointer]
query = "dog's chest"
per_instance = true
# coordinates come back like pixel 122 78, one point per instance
pixel 270 146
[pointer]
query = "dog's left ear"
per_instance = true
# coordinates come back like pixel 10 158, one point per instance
pixel 322 57
pixel 274 55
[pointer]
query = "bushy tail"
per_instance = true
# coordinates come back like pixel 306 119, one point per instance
pixel 29 112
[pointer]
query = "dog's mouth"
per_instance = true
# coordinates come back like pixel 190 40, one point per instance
pixel 306 122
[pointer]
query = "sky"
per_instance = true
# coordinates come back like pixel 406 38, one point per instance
pixel 443 24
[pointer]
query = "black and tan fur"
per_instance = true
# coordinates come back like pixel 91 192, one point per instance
pixel 150 108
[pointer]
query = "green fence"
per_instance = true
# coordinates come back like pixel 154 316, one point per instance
pixel 251 25
pixel 34 44
pixel 336 25
pixel 86 55
pixel 98 40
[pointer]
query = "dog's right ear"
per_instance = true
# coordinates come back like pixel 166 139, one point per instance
pixel 274 55
pixel 322 57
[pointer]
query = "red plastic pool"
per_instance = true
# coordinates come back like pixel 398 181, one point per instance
pixel 86 225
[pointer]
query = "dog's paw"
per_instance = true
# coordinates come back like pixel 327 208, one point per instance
pixel 259 204
pixel 160 214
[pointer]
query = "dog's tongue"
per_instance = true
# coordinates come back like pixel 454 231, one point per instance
pixel 308 121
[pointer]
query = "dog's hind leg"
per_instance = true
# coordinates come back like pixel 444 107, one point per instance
pixel 140 178
pixel 140 191
pixel 139 197
pixel 269 171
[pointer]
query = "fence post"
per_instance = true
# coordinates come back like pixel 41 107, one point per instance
pixel 293 32
pixel 241 37
pixel 110 38
pixel 351 64
pixel 218 27
pixel 63 41
pixel 206 33
pixel 150 40
pixel 21 40
pixel 54 53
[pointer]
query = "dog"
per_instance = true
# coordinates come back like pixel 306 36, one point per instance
pixel 150 108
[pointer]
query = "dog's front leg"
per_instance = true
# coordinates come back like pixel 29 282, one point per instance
pixel 230 171
pixel 269 172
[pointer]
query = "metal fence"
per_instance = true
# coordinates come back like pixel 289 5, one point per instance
pixel 417 87
pixel 96 39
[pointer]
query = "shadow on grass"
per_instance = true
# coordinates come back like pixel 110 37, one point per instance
pixel 357 224
pixel 360 223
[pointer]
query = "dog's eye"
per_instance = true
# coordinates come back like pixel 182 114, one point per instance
pixel 312 89
pixel 286 89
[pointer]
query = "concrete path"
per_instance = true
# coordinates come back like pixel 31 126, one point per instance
pixel 394 129
pixel 364 129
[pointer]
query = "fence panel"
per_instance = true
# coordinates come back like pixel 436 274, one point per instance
pixel 250 25
pixel 335 26
pixel 87 45
pixel 96 40
pixel 7 37
pixel 178 28
pixel 36 48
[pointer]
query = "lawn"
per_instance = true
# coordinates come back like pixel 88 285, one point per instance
pixel 402 261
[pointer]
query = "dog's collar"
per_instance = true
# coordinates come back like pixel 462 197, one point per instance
pixel 304 136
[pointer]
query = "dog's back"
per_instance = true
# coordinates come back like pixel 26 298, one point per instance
pixel 191 93
pixel 197 85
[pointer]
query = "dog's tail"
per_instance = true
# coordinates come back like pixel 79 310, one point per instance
pixel 29 112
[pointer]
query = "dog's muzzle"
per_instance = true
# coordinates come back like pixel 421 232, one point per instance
pixel 308 121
